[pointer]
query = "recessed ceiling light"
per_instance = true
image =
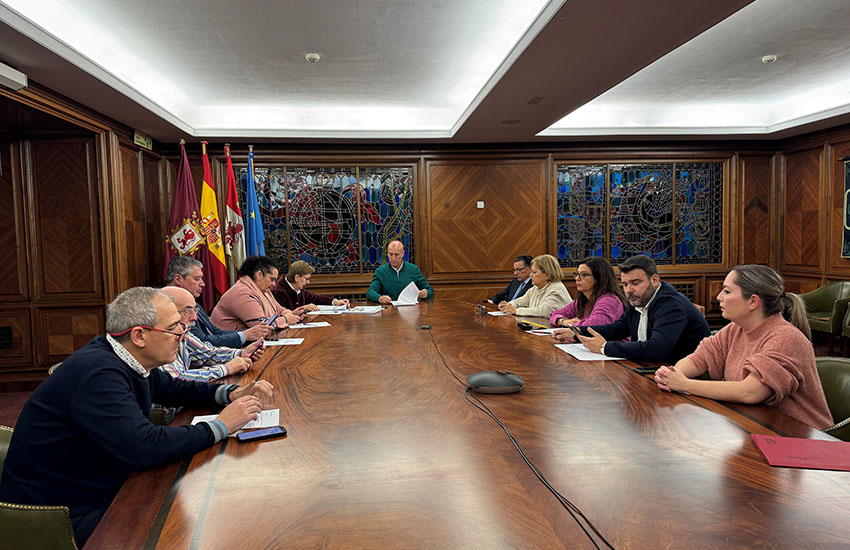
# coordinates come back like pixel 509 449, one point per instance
pixel 768 59
pixel 313 57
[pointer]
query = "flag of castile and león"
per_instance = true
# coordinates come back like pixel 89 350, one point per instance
pixel 234 225
pixel 212 227
pixel 185 234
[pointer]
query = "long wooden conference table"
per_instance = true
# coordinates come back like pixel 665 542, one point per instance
pixel 384 451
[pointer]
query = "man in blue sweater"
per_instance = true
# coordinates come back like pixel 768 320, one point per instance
pixel 86 427
pixel 662 323
pixel 188 273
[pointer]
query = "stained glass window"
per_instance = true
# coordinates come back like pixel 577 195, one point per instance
pixel 580 212
pixel 674 220
pixel 642 211
pixel 386 212
pixel 699 213
pixel 330 218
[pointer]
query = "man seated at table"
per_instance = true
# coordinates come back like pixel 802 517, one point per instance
pixel 519 285
pixel 188 273
pixel 662 323
pixel 86 427
pixel 290 292
pixel 390 279
pixel 201 361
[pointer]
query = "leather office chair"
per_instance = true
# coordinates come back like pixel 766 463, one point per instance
pixel 28 527
pixel 834 373
pixel 826 307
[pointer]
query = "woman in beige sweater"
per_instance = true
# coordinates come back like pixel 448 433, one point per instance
pixel 760 357
pixel 547 294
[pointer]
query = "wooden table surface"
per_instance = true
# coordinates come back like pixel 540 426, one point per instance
pixel 384 451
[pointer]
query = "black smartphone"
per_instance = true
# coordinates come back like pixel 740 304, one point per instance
pixel 264 433
pixel 645 370
pixel 272 319
pixel 573 328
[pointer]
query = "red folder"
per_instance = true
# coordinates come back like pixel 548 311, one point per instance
pixel 804 453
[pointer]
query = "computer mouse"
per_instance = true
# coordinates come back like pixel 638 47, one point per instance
pixel 495 381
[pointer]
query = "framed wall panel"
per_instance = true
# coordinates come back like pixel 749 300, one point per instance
pixel 755 239
pixel 802 200
pixel 62 331
pixel 13 275
pixel 64 220
pixel 466 239
pixel 15 338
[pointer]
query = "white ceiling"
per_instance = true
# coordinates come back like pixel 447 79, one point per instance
pixel 440 70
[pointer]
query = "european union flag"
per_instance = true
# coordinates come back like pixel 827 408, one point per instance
pixel 254 235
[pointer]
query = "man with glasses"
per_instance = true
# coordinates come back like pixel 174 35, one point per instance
pixel 86 427
pixel 519 285
pixel 188 273
pixel 201 361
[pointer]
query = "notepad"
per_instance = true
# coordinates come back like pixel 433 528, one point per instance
pixel 796 452
pixel 364 309
pixel 266 419
pixel 316 324
pixel 283 342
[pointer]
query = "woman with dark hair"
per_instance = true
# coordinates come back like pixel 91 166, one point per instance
pixel 249 301
pixel 600 299
pixel 760 357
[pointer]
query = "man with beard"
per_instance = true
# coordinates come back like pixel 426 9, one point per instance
pixel 662 323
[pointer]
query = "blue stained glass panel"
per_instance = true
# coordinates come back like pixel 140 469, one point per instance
pixel 699 213
pixel 642 211
pixel 580 212
pixel 386 202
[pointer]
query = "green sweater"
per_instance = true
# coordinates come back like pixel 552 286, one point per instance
pixel 386 281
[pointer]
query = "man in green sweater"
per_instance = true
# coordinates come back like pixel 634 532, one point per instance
pixel 390 279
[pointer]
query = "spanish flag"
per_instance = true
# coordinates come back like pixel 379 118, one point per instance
pixel 212 227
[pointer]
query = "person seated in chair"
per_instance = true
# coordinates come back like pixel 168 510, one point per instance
pixel 86 428
pixel 519 285
pixel 764 355
pixel 290 292
pixel 548 294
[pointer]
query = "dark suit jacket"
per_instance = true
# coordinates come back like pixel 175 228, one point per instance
pixel 508 294
pixel 674 330
pixel 208 332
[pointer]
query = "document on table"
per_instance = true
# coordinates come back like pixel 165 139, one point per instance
pixel 804 453
pixel 497 313
pixel 329 310
pixel 409 296
pixel 283 342
pixel 266 419
pixel 317 324
pixel 543 331
pixel 583 354
pixel 364 309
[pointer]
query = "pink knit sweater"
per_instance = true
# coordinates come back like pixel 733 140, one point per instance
pixel 782 359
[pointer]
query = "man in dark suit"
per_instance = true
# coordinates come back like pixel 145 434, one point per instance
pixel 519 285
pixel 663 324
pixel 188 273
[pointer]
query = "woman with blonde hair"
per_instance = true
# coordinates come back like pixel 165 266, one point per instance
pixel 548 293
pixel 763 356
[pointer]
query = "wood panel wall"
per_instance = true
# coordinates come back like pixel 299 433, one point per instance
pixel 84 218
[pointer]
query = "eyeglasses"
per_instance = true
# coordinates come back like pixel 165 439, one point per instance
pixel 179 335
pixel 517 270
pixel 580 275
pixel 187 311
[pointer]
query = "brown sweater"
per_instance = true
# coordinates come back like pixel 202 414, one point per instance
pixel 780 356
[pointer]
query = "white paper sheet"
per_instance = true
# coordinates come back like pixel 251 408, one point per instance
pixel 583 354
pixel 283 342
pixel 323 312
pixel 543 331
pixel 266 419
pixel 364 309
pixel 497 313
pixel 409 296
pixel 316 324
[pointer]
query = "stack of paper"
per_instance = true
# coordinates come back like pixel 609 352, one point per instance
pixel 408 297
pixel 364 309
pixel 583 354
pixel 266 419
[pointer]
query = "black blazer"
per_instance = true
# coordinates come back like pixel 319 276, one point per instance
pixel 508 294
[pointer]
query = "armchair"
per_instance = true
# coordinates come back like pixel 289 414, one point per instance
pixel 834 373
pixel 29 527
pixel 826 307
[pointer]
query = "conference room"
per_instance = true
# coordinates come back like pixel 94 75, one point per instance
pixel 705 135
